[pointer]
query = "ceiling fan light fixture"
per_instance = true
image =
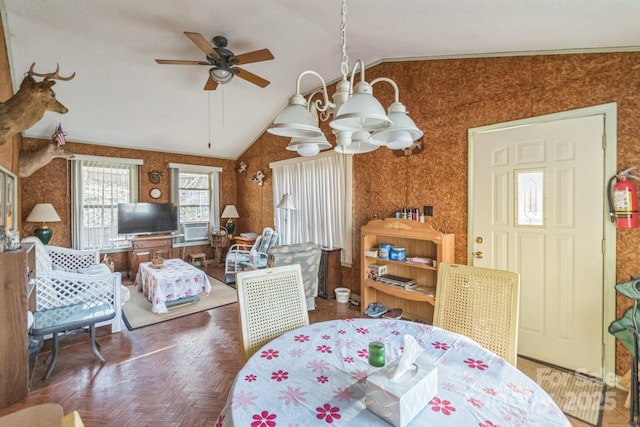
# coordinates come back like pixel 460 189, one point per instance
pixel 221 75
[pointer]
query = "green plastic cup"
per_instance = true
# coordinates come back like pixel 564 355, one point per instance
pixel 376 354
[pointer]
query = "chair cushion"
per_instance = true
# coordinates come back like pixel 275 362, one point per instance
pixel 265 244
pixel 256 244
pixel 43 260
pixel 125 295
pixel 95 269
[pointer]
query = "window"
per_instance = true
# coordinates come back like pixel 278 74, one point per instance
pixel 195 189
pixel 321 190
pixel 194 197
pixel 529 198
pixel 99 184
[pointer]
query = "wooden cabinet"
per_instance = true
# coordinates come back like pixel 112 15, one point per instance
pixel 144 248
pixel 419 240
pixel 329 277
pixel 17 296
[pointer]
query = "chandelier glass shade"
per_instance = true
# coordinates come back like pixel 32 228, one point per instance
pixel 308 146
pixel 296 120
pixel 401 134
pixel 358 144
pixel 355 111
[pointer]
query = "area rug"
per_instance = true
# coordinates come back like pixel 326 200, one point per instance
pixel 137 313
pixel 577 395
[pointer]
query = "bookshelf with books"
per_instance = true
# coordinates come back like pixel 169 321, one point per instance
pixel 408 283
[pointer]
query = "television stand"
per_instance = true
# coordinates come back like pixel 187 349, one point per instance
pixel 143 248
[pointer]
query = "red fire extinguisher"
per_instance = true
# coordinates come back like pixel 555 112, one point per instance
pixel 623 201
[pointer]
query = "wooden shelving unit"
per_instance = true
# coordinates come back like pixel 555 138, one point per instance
pixel 419 240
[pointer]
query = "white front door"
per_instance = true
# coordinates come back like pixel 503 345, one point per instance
pixel 538 203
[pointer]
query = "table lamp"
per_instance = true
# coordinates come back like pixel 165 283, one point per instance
pixel 230 212
pixel 286 203
pixel 43 212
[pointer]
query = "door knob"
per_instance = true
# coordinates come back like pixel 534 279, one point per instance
pixel 478 255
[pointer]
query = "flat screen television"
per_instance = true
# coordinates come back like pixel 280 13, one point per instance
pixel 147 218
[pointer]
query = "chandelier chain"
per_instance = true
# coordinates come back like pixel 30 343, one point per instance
pixel 344 66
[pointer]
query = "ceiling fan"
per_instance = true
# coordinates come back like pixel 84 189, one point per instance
pixel 223 62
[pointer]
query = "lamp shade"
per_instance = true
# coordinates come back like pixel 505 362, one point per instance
pixel 230 211
pixel 308 146
pixel 401 133
pixel 359 144
pixel 286 202
pixel 295 120
pixel 361 112
pixel 43 212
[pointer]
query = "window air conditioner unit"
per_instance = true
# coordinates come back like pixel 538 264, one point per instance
pixel 195 231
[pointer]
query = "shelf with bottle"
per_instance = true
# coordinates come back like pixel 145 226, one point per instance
pixel 422 243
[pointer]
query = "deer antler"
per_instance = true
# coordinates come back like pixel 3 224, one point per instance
pixel 50 76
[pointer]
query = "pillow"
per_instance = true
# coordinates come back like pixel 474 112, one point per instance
pixel 256 244
pixel 95 269
pixel 43 260
pixel 267 236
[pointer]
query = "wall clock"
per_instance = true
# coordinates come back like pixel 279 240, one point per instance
pixel 155 193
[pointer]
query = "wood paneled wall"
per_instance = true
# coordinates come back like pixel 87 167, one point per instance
pixel 52 184
pixel 447 97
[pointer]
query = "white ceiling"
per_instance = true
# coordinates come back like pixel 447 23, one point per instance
pixel 121 97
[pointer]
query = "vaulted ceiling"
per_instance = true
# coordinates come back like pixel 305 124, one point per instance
pixel 122 97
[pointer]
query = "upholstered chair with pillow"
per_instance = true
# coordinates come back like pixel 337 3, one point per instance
pixel 308 256
pixel 244 257
pixel 61 273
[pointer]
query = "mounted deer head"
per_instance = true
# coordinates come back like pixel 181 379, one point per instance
pixel 31 161
pixel 27 106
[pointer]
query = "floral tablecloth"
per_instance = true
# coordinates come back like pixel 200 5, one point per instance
pixel 316 376
pixel 175 280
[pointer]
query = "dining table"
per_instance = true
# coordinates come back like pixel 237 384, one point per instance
pixel 317 376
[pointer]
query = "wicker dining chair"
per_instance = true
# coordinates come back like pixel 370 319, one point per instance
pixel 271 302
pixel 482 304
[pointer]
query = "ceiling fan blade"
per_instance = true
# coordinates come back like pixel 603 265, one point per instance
pixel 202 43
pixel 255 56
pixel 252 78
pixel 211 84
pixel 180 62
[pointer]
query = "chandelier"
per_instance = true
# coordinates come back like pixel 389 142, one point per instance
pixel 359 123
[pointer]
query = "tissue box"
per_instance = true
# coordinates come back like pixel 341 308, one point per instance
pixel 399 402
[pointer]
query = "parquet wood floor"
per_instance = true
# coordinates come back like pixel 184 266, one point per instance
pixel 176 373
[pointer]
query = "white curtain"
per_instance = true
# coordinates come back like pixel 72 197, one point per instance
pixel 321 190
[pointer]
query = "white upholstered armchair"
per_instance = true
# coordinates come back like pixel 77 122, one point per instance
pixel 68 276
